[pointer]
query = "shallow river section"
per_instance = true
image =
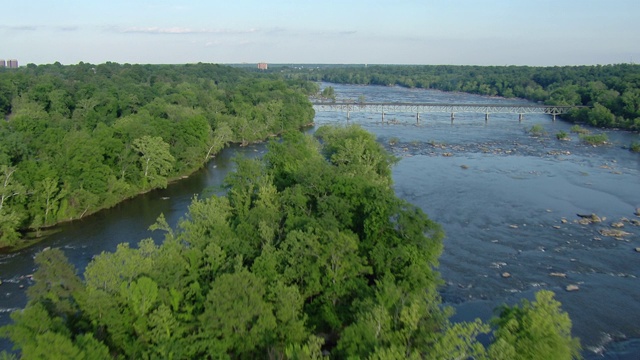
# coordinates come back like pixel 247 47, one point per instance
pixel 508 202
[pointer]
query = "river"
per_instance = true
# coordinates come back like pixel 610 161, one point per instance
pixel 507 201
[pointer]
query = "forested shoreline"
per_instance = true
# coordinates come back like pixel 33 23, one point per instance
pixel 612 92
pixel 80 138
pixel 309 255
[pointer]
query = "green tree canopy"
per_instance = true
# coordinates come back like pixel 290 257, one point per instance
pixel 309 253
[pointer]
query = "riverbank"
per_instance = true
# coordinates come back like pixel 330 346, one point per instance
pixel 30 238
pixel 29 235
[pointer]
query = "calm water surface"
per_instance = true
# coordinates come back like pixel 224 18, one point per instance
pixel 507 201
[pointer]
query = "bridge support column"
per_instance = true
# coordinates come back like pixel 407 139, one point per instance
pixel 453 116
pixel 520 117
pixel 417 118
pixel 553 117
pixel 348 115
pixel 486 118
pixel 383 117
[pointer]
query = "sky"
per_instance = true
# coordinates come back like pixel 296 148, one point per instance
pixel 422 32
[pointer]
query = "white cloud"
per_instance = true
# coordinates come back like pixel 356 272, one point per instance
pixel 68 28
pixel 181 30
pixel 19 27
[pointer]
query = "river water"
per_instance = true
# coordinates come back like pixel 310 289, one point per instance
pixel 506 200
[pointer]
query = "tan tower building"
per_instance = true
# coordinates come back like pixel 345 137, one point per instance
pixel 13 64
pixel 2 63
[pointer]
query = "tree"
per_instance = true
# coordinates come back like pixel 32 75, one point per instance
pixel 56 283
pixel 218 139
pixel 534 330
pixel 48 196
pixel 10 218
pixel 237 319
pixel 601 116
pixel 155 159
pixel 328 93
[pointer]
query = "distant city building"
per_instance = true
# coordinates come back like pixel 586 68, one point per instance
pixel 263 66
pixel 13 64
pixel 2 63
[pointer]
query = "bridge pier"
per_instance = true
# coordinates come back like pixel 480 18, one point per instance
pixel 348 115
pixel 486 118
pixel 453 116
pixel 383 117
pixel 417 118
pixel 520 117
pixel 553 117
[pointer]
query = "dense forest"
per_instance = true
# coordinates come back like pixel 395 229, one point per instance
pixel 612 92
pixel 309 255
pixel 77 139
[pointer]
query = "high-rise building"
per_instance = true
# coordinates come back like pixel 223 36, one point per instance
pixel 13 63
pixel 2 63
pixel 263 66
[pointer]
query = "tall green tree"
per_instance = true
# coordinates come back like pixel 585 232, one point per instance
pixel 534 330
pixel 156 160
pixel 10 218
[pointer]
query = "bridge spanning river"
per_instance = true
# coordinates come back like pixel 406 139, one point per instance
pixel 421 108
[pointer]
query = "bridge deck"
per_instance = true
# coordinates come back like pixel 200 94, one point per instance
pixel 442 107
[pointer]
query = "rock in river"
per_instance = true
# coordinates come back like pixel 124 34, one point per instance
pixel 572 287
pixel 558 274
pixel 593 218
pixel 613 233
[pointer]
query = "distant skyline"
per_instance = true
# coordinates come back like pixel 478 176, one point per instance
pixel 458 32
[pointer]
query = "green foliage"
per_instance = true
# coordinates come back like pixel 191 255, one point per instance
pixel 155 160
pixel 81 138
pixel 537 130
pixel 577 129
pixel 309 254
pixel 635 147
pixel 328 93
pixel 534 330
pixel 56 283
pixel 6 356
pixel 595 139
pixel 562 135
pixel 11 195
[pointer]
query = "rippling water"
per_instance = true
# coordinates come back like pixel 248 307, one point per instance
pixel 500 194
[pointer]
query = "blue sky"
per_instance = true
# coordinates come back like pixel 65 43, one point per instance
pixel 460 32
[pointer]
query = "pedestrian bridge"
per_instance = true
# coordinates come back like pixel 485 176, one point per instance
pixel 421 108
